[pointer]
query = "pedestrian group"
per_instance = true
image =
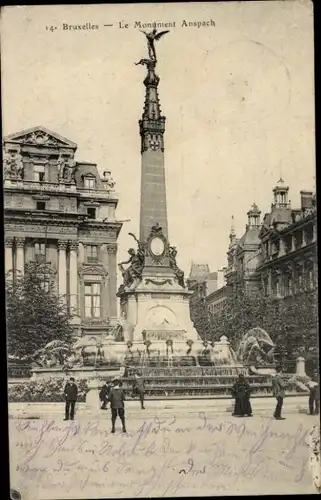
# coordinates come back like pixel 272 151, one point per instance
pixel 113 393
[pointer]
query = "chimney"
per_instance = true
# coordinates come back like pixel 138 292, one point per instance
pixel 306 199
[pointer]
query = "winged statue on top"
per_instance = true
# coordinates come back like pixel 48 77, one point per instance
pixel 152 37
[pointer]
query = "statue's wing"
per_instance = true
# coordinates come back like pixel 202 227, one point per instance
pixel 143 32
pixel 159 35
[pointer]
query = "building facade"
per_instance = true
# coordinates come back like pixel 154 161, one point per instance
pixel 201 281
pixel 276 257
pixel 61 212
pixel 288 253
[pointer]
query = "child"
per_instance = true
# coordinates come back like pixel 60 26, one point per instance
pixel 104 394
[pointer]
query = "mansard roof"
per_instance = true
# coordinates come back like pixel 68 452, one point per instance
pixel 199 271
pixel 251 237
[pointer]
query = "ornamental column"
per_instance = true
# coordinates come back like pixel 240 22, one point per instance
pixel 112 275
pixel 8 254
pixel 20 262
pixel 73 275
pixel 62 269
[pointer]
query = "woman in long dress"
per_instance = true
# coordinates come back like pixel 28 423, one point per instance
pixel 241 393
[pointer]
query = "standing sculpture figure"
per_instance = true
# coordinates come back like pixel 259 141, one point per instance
pixel 151 37
pixel 61 167
pixel 18 166
pixel 7 164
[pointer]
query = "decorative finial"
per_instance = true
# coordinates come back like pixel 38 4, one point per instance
pixel 232 227
pixel 232 232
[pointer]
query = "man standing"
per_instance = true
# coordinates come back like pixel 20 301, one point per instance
pixel 117 398
pixel 104 394
pixel 314 397
pixel 278 387
pixel 70 392
pixel 139 388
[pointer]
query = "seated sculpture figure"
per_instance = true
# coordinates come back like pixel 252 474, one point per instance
pixel 136 261
pixel 172 262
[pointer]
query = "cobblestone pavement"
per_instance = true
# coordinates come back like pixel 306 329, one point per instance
pixel 182 450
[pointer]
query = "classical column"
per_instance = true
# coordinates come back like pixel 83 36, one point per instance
pixel 81 253
pixel 282 248
pixel 315 232
pixel 73 276
pixel 112 274
pixel 269 249
pixel 269 290
pixel 304 239
pixel 8 254
pixel 20 262
pixel 293 242
pixel 300 367
pixel 62 268
pixel 279 283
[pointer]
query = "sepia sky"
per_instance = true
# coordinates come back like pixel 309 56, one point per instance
pixel 238 100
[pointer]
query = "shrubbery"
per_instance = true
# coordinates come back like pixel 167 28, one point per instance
pixel 44 391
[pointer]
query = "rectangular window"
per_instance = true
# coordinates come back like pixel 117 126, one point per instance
pixel 39 173
pixel 92 300
pixel 45 285
pixel 41 205
pixel 40 251
pixel 92 253
pixel 310 279
pixel 91 212
pixel 300 282
pixel 45 282
pixel 89 183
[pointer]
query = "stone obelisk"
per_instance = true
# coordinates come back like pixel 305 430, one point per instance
pixel 154 299
pixel 153 207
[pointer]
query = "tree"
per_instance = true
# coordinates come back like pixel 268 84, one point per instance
pixel 290 322
pixel 201 318
pixel 35 314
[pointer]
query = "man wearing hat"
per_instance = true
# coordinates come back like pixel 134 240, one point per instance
pixel 117 399
pixel 139 388
pixel 70 393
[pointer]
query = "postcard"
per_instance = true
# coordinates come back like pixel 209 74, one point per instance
pixel 160 249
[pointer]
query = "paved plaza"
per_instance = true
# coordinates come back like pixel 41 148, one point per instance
pixel 173 448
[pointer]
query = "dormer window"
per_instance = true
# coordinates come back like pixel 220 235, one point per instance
pixel 39 173
pixel 89 182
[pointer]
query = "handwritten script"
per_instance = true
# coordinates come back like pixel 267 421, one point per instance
pixel 158 457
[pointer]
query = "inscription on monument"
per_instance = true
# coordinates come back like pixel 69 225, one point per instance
pixel 165 334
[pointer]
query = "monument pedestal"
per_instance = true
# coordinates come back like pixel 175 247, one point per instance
pixel 159 307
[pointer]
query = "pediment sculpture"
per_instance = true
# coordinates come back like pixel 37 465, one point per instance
pixel 40 136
